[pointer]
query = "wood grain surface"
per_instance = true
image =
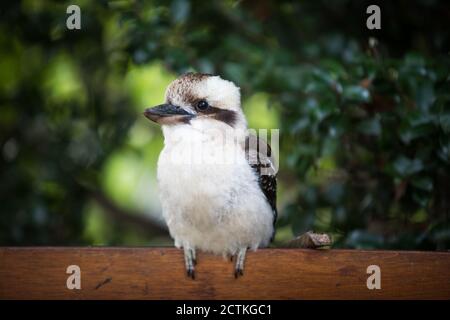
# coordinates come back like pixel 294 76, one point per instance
pixel 158 273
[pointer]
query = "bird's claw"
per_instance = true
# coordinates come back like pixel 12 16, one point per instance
pixel 238 272
pixel 191 273
pixel 240 258
pixel 190 261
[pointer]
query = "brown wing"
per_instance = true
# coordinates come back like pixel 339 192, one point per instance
pixel 259 157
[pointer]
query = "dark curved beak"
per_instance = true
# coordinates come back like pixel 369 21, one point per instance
pixel 168 114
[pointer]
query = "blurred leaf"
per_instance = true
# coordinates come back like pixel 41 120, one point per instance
pixel 444 120
pixel 425 96
pixel 356 94
pixel 304 220
pixel 370 127
pixel 404 166
pixel 423 182
pixel 360 239
pixel 421 198
pixel 180 10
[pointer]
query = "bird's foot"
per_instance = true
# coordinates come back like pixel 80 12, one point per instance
pixel 238 272
pixel 190 261
pixel 240 259
pixel 190 272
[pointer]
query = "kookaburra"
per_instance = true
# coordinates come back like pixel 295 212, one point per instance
pixel 217 182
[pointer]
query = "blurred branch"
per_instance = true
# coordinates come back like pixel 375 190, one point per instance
pixel 132 218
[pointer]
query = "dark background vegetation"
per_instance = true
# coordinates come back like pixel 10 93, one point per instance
pixel 364 116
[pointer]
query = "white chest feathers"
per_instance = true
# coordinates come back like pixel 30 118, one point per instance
pixel 210 196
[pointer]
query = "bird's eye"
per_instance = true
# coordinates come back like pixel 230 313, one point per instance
pixel 202 105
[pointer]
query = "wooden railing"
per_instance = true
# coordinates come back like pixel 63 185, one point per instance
pixel 158 273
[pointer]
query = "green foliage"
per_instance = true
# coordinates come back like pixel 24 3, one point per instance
pixel 62 114
pixel 384 132
pixel 364 115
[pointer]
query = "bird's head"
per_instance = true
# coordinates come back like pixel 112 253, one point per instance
pixel 200 100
